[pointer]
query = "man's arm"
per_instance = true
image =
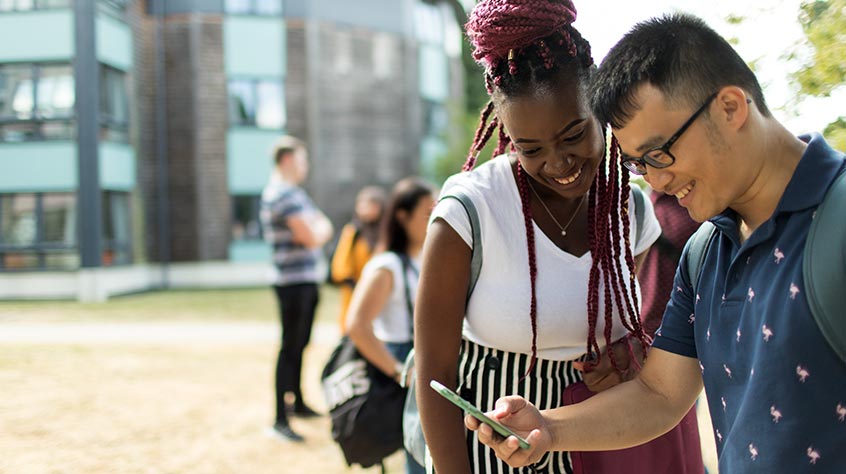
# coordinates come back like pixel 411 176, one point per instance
pixel 623 416
pixel 311 230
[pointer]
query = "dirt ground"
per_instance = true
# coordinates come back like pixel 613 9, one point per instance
pixel 85 392
pixel 192 407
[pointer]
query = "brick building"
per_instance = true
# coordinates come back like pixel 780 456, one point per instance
pixel 135 135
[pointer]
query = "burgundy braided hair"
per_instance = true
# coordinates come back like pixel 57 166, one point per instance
pixel 524 44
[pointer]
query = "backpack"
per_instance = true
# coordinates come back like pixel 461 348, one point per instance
pixel 366 406
pixel 823 264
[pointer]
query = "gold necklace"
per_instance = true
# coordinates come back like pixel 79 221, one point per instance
pixel 564 227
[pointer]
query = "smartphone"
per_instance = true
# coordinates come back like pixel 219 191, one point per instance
pixel 476 413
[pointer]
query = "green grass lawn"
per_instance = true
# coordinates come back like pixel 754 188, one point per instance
pixel 251 304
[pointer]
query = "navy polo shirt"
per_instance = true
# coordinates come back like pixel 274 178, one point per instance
pixel 776 390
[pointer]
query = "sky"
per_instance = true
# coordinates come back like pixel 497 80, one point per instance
pixel 769 32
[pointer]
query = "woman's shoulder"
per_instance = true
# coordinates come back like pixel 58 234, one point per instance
pixel 384 260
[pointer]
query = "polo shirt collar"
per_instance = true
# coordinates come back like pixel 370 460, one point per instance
pixel 813 176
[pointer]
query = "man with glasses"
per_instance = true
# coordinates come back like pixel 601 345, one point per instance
pixel 691 118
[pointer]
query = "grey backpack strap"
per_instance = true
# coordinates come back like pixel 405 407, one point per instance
pixel 640 210
pixel 696 249
pixel 824 267
pixel 476 248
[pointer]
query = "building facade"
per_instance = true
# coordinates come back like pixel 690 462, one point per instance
pixel 135 135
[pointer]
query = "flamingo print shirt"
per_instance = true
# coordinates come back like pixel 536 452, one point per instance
pixel 776 390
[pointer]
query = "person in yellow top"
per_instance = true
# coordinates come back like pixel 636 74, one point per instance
pixel 355 245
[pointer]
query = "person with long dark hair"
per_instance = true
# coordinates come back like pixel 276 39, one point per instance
pixel 379 320
pixel 557 286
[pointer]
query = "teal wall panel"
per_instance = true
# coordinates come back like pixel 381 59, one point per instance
pixel 249 251
pixel 114 43
pixel 39 166
pixel 434 73
pixel 254 46
pixel 248 159
pixel 36 36
pixel 117 167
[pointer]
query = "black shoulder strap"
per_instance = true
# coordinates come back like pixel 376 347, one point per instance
pixel 824 267
pixel 697 247
pixel 640 211
pixel 476 247
pixel 406 265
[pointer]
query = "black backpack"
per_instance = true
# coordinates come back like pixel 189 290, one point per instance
pixel 365 406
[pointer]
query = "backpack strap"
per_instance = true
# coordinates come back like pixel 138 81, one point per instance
pixel 476 247
pixel 696 249
pixel 475 264
pixel 824 267
pixel 640 210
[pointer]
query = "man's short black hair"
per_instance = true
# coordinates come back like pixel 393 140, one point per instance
pixel 679 55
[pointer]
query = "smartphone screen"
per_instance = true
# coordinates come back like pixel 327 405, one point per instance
pixel 476 413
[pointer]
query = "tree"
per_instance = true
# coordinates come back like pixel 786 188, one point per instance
pixel 824 71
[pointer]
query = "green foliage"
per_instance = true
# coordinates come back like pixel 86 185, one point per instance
pixel 451 162
pixel 835 133
pixel 824 24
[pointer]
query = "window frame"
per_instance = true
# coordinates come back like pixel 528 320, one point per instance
pixel 36 6
pixel 256 206
pixel 252 9
pixel 39 247
pixel 36 120
pixel 254 84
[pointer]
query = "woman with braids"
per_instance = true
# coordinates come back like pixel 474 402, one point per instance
pixel 557 283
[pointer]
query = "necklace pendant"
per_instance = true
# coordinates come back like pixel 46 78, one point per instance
pixel 564 233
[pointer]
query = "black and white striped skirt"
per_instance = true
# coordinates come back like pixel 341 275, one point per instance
pixel 486 374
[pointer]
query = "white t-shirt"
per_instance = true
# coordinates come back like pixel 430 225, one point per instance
pixel 498 311
pixel 393 324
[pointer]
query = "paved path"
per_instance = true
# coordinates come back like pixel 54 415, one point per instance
pixel 149 333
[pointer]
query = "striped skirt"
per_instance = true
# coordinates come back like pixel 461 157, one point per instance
pixel 486 374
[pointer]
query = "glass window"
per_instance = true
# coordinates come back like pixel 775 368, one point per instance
pixel 18 219
pixel 38 231
pixel 36 102
pixel 245 222
pixel 26 5
pixel 59 215
pixel 254 7
pixel 257 103
pixel 384 56
pixel 268 7
pixel 55 94
pixel 16 91
pixel 242 103
pixel 270 106
pixel 116 229
pixel 114 104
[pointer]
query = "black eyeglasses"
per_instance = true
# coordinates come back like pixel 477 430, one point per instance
pixel 660 156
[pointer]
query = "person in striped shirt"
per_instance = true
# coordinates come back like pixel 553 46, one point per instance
pixel 297 229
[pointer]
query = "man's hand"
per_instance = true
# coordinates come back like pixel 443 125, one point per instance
pixel 524 419
pixel 603 376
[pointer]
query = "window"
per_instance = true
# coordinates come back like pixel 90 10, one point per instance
pixel 435 118
pixel 26 5
pixel 117 243
pixel 36 102
pixel 254 7
pixel 114 105
pixel 245 218
pixel 385 56
pixel 257 103
pixel 38 231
